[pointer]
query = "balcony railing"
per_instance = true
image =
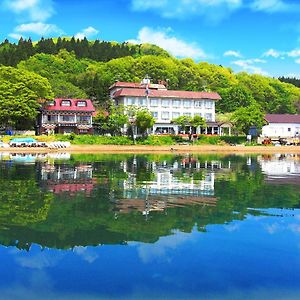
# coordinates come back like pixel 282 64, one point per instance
pixel 82 122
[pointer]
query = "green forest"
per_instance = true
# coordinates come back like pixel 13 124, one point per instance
pixel 66 67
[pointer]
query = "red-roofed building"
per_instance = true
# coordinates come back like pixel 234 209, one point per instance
pixel 166 105
pixel 67 116
pixel 281 125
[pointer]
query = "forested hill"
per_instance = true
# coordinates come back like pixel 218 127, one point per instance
pixel 11 54
pixel 80 68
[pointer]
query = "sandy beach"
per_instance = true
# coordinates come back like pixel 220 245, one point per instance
pixel 108 149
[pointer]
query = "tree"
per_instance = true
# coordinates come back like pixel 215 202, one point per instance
pixel 245 117
pixel 111 121
pixel 234 97
pixel 182 121
pixel 144 120
pixel 19 95
pixel 196 122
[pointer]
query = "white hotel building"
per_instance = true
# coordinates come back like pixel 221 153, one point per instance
pixel 166 105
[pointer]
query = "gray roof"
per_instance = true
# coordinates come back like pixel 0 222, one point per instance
pixel 282 118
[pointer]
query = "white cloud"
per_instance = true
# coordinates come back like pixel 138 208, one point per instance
pixel 86 253
pixel 15 36
pixel 232 53
pixel 38 28
pixel 31 10
pixel 294 53
pixel 21 5
pixel 213 10
pixel 40 260
pixel 248 65
pixel 163 248
pixel 173 45
pixel 295 228
pixel 87 32
pixel 272 53
pixel 273 6
pixel 297 61
pixel 256 60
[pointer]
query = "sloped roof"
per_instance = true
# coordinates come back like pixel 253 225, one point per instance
pixel 73 107
pixel 282 118
pixel 138 92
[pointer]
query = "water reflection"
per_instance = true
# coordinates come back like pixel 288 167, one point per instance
pixel 281 168
pixel 60 178
pixel 180 182
pixel 194 226
pixel 81 200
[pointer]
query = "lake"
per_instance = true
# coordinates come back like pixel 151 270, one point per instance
pixel 149 226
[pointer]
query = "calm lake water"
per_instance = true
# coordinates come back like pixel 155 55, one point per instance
pixel 149 226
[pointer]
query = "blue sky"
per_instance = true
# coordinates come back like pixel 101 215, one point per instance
pixel 257 36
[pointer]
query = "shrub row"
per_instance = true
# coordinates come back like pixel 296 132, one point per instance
pixel 154 140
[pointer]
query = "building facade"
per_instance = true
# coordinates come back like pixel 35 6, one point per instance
pixel 66 116
pixel 166 105
pixel 281 125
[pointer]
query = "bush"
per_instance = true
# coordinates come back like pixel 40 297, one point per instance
pixel 208 140
pixel 233 139
pixel 95 139
pixel 157 140
pixel 219 140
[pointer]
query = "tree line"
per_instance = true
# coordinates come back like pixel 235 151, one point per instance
pixel 12 53
pixel 293 80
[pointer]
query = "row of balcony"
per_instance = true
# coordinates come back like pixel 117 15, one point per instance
pixel 67 122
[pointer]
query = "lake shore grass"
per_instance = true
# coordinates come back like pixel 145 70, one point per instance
pixel 147 149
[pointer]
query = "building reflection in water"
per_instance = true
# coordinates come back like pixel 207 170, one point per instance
pixel 281 168
pixel 183 182
pixel 60 178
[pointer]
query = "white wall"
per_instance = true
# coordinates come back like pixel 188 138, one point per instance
pixel 281 129
pixel 167 112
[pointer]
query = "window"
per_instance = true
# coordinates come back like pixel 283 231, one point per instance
pixel 130 101
pixel 165 103
pixel 175 115
pixel 51 103
pixel 51 118
pixel 165 115
pixel 154 102
pixel 198 104
pixel 81 103
pixel 187 103
pixel 289 129
pixel 208 117
pixel 84 119
pixel 187 114
pixel 142 102
pixel 65 103
pixel 208 104
pixel 68 118
pixel 176 103
pixel 154 114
